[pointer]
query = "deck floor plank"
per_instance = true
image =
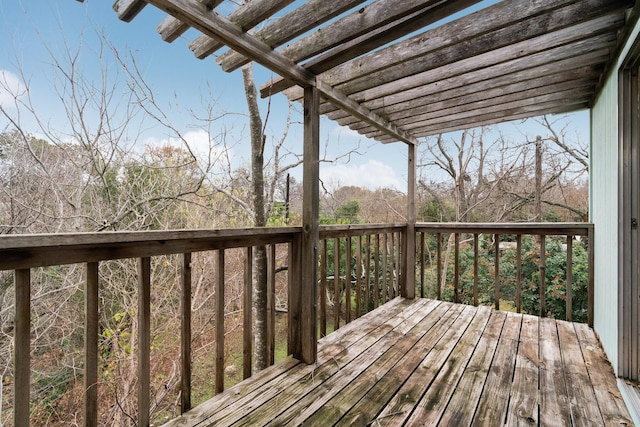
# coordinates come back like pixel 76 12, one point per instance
pixel 600 373
pixel 425 362
pixel 462 405
pixel 492 408
pixel 375 389
pixel 433 403
pixel 554 404
pixel 316 379
pixel 584 407
pixel 523 404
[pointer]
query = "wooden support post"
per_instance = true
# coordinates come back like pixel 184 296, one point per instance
pixel 421 265
pixel 185 335
pixel 247 318
pixel 409 259
pixel 307 309
pixel 367 275
pixel 91 346
pixel 337 291
pixel 219 387
pixel 144 340
pixel 22 351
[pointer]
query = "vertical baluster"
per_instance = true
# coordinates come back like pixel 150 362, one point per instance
pixel 347 280
pixel 384 269
pixel 247 318
pixel 185 335
pixel 496 277
pixel 220 323
pixel 144 340
pixel 476 274
pixel 456 274
pixel 91 346
pixel 358 276
pixel 591 275
pixel 367 275
pixel 337 293
pixel 376 273
pixel 271 303
pixel 323 288
pixel 519 273
pixel 393 269
pixel 543 271
pixel 421 234
pixel 569 282
pixel 438 265
pixel 22 351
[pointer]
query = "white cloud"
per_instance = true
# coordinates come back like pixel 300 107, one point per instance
pixel 198 141
pixel 372 175
pixel 11 87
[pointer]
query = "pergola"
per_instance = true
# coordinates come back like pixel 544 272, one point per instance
pixel 392 71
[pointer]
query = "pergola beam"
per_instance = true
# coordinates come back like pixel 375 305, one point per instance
pixel 198 16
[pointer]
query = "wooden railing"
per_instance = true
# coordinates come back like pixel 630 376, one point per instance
pixel 433 258
pixel 24 253
pixel 367 273
pixel 360 268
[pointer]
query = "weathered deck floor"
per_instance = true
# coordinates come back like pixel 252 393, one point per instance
pixel 426 362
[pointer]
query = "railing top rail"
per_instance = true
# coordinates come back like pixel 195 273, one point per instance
pixel 537 228
pixel 330 231
pixel 40 250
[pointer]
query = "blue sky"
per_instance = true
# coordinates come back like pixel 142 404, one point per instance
pixel 32 31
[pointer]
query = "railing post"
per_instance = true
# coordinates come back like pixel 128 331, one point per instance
pixel 91 346
pixel 22 352
pixel 185 335
pixel 308 346
pixel 543 273
pixel 271 304
pixel 569 280
pixel 219 386
pixel 144 340
pixel 496 270
pixel 247 318
pixel 590 285
pixel 408 284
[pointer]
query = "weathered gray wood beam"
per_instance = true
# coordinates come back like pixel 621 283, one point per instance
pixel 501 74
pixel 556 98
pixel 171 28
pixel 246 17
pixel 347 49
pixel 523 112
pixel 197 16
pixel 501 25
pixel 496 97
pixel 309 15
pixel 523 38
pixel 501 62
pixel 481 89
pixel 128 9
pixel 409 260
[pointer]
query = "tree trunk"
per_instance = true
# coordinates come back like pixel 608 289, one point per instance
pixel 260 253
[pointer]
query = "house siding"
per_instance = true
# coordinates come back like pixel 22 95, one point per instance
pixel 604 210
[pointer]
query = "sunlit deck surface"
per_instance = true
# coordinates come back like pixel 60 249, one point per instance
pixel 425 362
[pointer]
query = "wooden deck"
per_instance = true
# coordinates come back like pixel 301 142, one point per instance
pixel 426 362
